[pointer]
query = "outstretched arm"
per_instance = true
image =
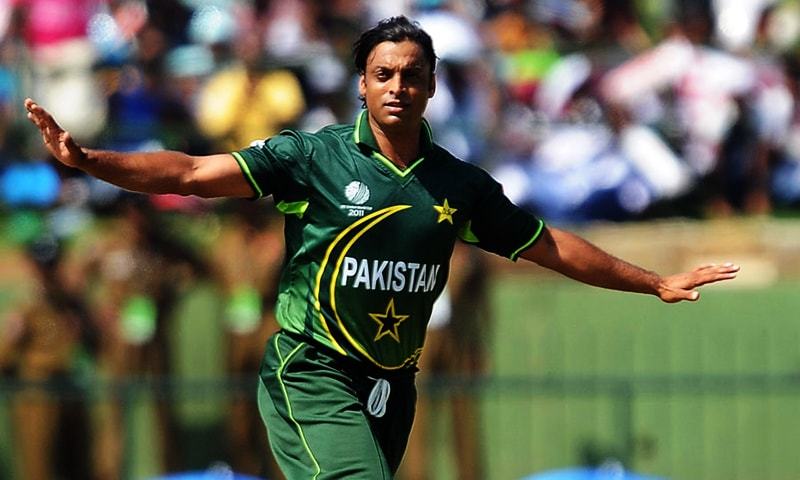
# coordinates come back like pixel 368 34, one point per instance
pixel 149 172
pixel 578 259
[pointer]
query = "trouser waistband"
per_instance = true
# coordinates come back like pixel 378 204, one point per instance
pixel 351 365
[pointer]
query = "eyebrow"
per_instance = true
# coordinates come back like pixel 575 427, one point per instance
pixel 412 67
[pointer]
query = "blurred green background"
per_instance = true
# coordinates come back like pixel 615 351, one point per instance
pixel 577 374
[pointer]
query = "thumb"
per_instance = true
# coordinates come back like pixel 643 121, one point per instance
pixel 69 142
pixel 679 295
pixel 71 152
pixel 74 150
pixel 687 295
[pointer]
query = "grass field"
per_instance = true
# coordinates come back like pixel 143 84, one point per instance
pixel 691 391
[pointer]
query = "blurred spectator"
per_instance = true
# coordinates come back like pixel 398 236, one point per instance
pixel 785 179
pixel 56 33
pixel 247 257
pixel 708 118
pixel 660 92
pixel 464 110
pixel 135 271
pixel 44 344
pixel 455 349
pixel 248 99
pixel 741 180
pixel 29 184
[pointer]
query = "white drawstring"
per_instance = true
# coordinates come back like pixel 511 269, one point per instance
pixel 378 397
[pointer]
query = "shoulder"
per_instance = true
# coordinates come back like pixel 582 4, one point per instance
pixel 336 133
pixel 459 168
pixel 328 135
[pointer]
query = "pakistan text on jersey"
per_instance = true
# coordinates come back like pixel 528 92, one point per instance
pixel 389 275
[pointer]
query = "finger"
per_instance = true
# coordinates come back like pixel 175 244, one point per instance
pixel 36 118
pixel 47 120
pixel 727 266
pixel 713 277
pixel 41 117
pixel 72 146
pixel 705 266
pixel 711 272
pixel 690 295
pixel 727 270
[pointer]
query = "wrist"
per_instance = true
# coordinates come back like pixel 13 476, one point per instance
pixel 658 285
pixel 88 159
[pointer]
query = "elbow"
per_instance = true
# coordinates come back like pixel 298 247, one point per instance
pixel 545 251
pixel 185 185
pixel 191 181
pixel 212 176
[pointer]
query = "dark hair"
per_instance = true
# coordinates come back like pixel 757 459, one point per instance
pixel 394 29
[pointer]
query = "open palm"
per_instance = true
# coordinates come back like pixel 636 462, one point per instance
pixel 682 286
pixel 57 140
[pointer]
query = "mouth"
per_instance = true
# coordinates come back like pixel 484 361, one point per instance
pixel 395 107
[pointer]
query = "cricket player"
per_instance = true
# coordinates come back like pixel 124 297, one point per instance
pixel 372 211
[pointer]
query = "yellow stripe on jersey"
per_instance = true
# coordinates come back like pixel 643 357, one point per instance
pixel 386 213
pixel 383 213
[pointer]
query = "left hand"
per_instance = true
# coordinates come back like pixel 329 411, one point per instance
pixel 683 286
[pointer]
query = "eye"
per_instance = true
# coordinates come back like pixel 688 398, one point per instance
pixel 413 75
pixel 383 75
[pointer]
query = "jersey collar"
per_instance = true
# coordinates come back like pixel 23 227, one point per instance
pixel 363 136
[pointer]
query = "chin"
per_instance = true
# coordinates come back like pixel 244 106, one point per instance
pixel 392 120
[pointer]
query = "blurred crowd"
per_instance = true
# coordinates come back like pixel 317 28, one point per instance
pixel 585 110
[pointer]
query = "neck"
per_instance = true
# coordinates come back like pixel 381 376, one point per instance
pixel 400 144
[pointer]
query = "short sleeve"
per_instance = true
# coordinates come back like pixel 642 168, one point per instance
pixel 277 166
pixel 498 225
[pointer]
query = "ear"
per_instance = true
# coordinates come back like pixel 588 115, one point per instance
pixel 432 86
pixel 362 85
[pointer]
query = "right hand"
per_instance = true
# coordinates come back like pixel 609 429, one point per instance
pixel 58 141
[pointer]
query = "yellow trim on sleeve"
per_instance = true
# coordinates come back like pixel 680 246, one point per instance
pixel 293 208
pixel 466 234
pixel 530 242
pixel 247 174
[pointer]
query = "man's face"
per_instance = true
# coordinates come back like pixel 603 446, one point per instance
pixel 397 83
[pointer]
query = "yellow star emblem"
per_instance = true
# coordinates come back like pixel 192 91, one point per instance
pixel 445 212
pixel 388 322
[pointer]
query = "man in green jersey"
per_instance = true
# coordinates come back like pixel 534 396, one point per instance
pixel 372 211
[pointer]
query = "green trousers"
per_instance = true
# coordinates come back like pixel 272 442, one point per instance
pixel 316 406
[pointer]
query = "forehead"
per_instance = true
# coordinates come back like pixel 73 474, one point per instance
pixel 402 54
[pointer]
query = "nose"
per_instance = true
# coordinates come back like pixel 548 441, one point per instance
pixel 397 84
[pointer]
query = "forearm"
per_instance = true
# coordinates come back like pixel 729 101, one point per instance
pixel 578 259
pixel 147 172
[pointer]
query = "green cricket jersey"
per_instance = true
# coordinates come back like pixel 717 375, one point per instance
pixel 368 245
